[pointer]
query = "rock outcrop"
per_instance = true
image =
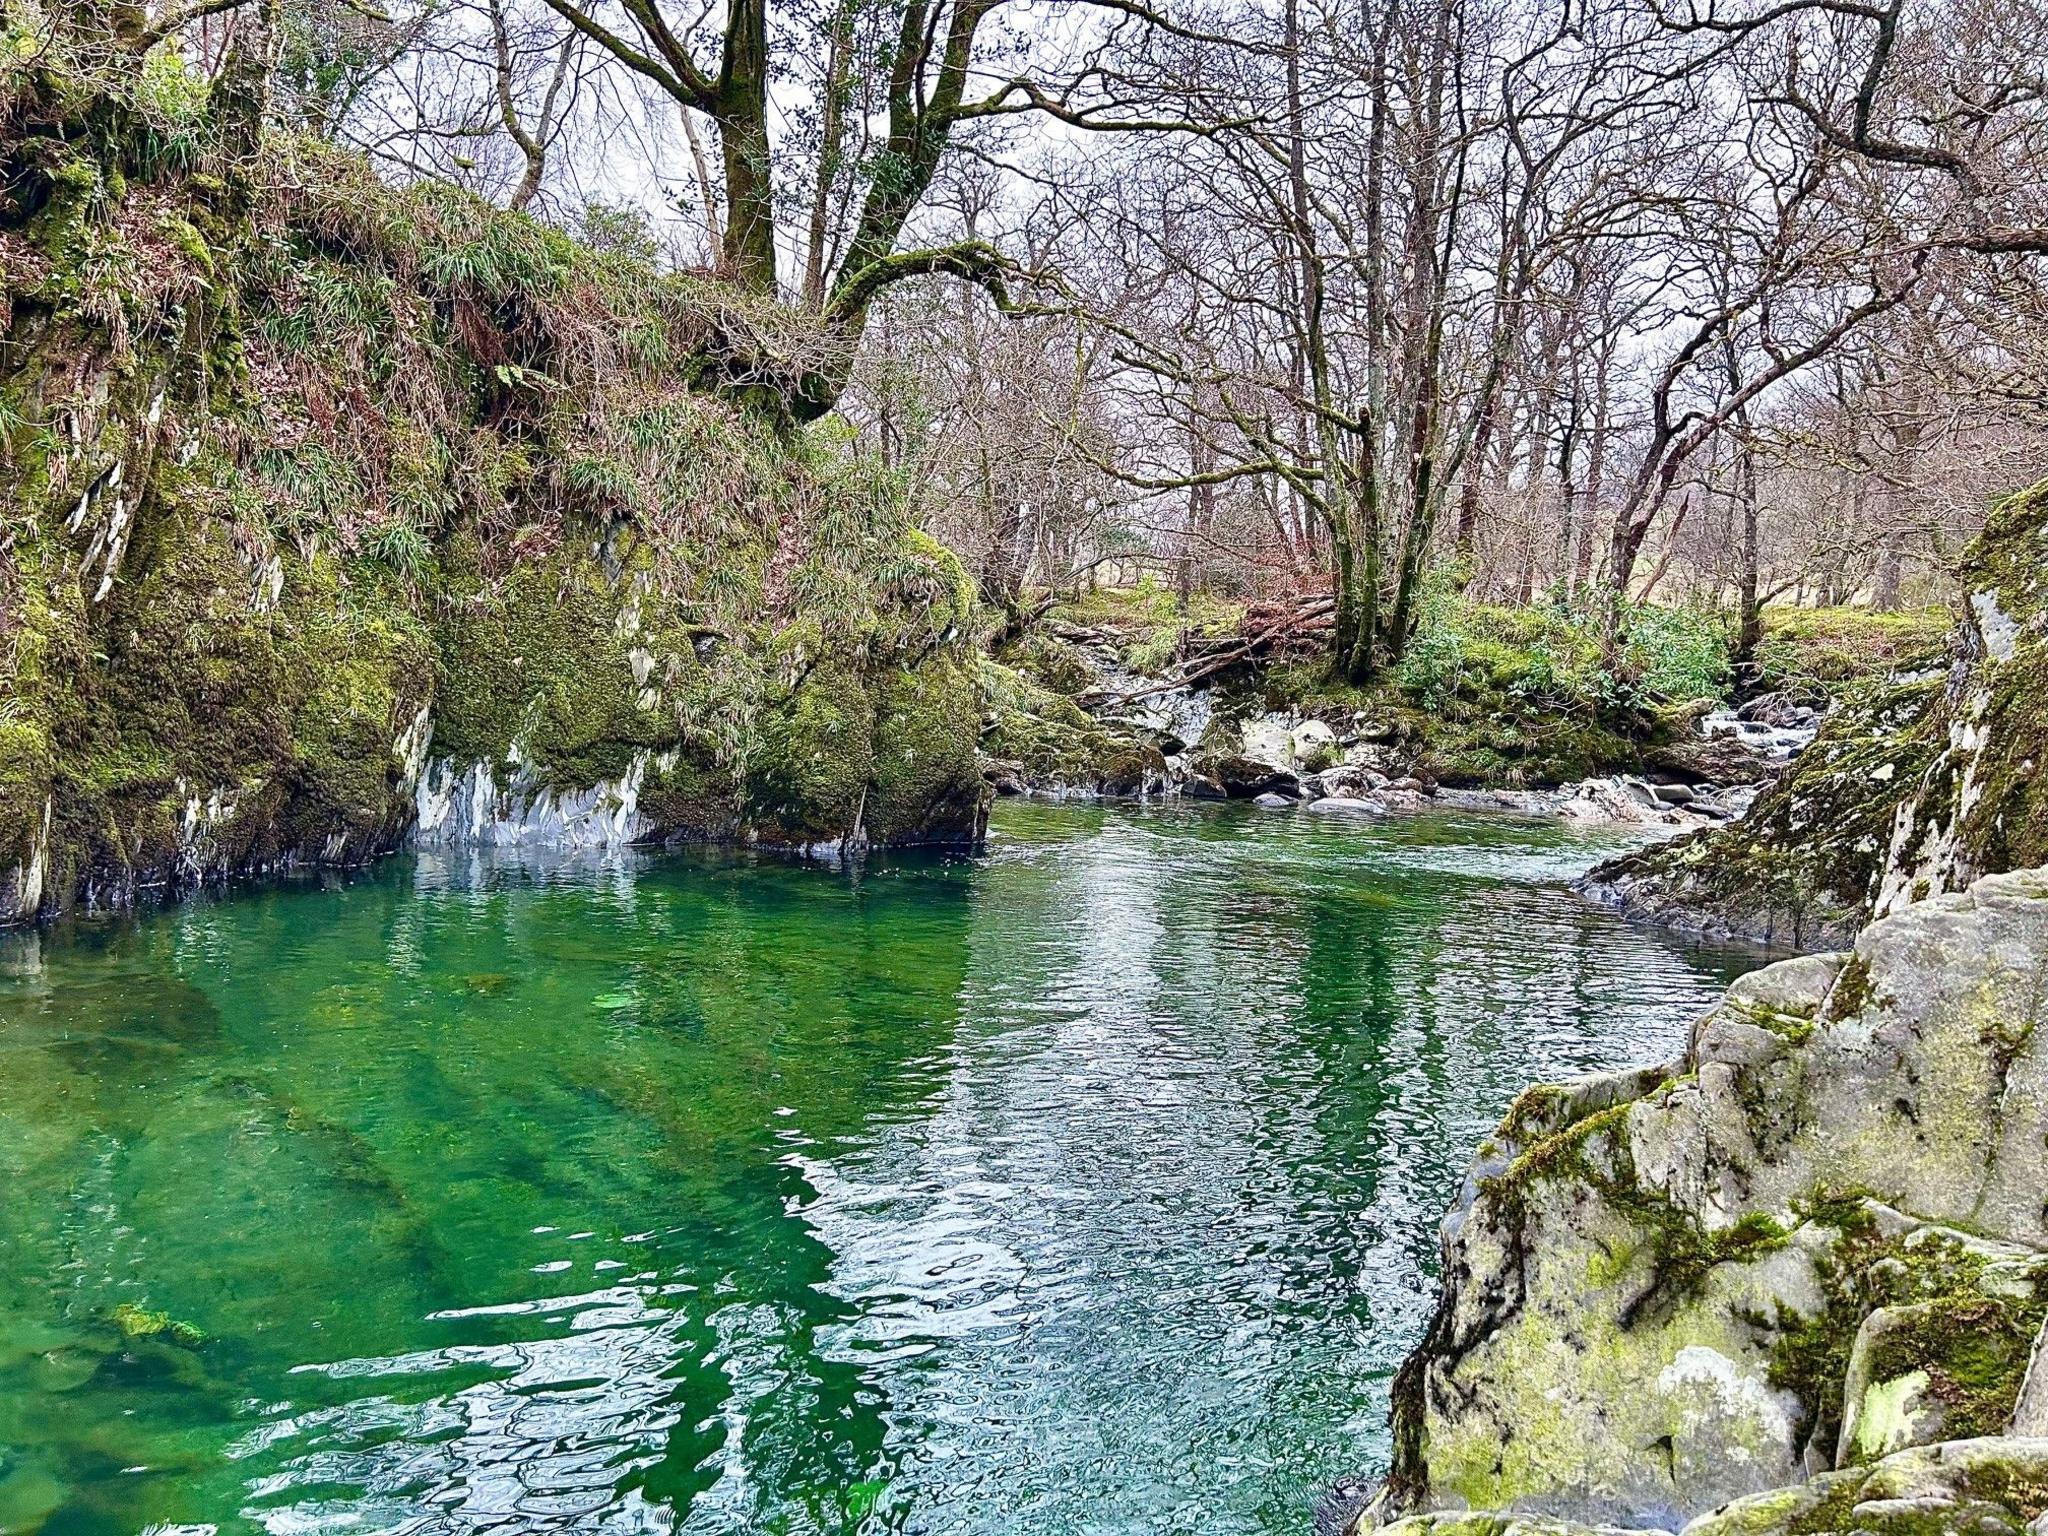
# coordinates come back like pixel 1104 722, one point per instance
pixel 328 508
pixel 1795 1281
pixel 1915 787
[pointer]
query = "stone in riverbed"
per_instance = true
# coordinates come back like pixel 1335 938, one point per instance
pixel 1351 779
pixel 1348 803
pixel 1273 802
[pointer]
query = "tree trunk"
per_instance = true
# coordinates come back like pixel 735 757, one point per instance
pixel 742 119
pixel 1749 603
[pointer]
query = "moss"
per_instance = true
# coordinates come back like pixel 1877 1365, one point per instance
pixel 1818 653
pixel 354 424
pixel 1913 786
pixel 927 776
pixel 690 796
pixel 1058 744
pixel 1487 697
pixel 1678 1254
pixel 26 760
pixel 1145 621
pixel 1833 1509
pixel 1972 1341
pixel 532 672
pixel 1804 865
pixel 1973 1351
pixel 808 781
pixel 1851 993
pixel 137 1323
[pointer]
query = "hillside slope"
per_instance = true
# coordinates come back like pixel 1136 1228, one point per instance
pixel 330 508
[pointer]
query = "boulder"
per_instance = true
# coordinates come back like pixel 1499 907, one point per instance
pixel 1246 778
pixel 1986 1487
pixel 1267 740
pixel 1351 779
pixel 1783 710
pixel 1312 745
pixel 1817 1240
pixel 1710 760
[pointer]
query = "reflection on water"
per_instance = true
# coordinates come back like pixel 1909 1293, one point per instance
pixel 1090 1187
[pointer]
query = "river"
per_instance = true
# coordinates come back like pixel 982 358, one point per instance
pixel 1088 1187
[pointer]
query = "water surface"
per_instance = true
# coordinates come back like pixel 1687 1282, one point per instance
pixel 1088 1187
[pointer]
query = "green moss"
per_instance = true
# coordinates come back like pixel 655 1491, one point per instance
pixel 533 673
pixel 1488 696
pixel 1851 993
pixel 1971 1339
pixel 1056 742
pixel 1804 864
pixel 395 459
pixel 137 1323
pixel 1678 1253
pixel 808 781
pixel 927 776
pixel 1973 1351
pixel 1821 652
pixel 26 760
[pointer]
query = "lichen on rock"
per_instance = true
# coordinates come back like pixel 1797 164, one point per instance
pixel 1817 1241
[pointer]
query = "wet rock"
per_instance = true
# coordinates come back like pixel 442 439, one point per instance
pixel 1245 778
pixel 1273 802
pixel 1348 804
pixel 1351 779
pixel 1783 710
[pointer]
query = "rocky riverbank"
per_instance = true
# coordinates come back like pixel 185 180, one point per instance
pixel 1707 770
pixel 334 512
pixel 1794 1281
pixel 1917 785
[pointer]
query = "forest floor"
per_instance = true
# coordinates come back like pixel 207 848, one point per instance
pixel 1127 689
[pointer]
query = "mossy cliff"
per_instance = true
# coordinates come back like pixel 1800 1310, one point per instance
pixel 1914 787
pixel 327 506
pixel 1780 1285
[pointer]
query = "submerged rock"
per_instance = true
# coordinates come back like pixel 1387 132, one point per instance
pixel 1817 1241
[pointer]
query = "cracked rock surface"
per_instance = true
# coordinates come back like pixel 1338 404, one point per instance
pixel 1794 1281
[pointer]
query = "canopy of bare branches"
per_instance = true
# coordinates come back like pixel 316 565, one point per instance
pixel 1586 300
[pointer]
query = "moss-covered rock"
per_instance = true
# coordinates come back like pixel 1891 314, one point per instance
pixel 1816 1240
pixel 1990 1486
pixel 1913 788
pixel 329 503
pixel 1053 744
pixel 927 786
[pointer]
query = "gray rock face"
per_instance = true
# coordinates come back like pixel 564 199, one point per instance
pixel 1818 1241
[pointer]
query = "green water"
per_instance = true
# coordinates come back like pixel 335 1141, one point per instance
pixel 1088 1187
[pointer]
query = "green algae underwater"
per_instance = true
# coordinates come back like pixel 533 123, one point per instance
pixel 1090 1186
